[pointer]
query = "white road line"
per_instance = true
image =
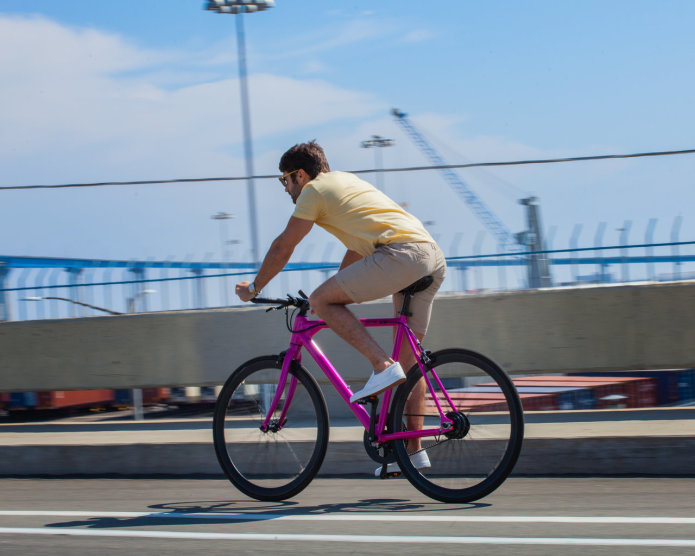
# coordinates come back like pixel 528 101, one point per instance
pixel 347 516
pixel 351 538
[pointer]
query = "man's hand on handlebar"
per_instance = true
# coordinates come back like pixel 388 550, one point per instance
pixel 242 290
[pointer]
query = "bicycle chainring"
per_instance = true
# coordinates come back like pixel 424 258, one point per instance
pixel 380 453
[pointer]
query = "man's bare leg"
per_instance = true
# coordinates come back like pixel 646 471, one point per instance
pixel 328 301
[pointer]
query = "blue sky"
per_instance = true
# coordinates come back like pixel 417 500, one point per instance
pixel 144 89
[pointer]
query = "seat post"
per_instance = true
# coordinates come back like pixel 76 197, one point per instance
pixel 406 305
pixel 418 286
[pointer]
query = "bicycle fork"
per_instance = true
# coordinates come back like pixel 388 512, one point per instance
pixel 270 425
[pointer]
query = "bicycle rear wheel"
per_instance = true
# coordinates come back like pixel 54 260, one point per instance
pixel 477 455
pixel 281 462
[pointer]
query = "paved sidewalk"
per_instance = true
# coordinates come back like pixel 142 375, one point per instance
pixel 651 442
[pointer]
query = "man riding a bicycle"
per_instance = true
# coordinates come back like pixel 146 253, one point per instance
pixel 387 250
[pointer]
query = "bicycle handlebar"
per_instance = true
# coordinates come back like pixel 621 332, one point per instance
pixel 301 302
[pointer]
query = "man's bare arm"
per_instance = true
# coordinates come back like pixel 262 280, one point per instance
pixel 277 256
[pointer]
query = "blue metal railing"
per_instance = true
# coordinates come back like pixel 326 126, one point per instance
pixel 73 279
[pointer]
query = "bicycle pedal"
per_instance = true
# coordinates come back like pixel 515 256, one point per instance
pixel 368 399
pixel 390 475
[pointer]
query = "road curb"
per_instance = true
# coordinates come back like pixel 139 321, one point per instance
pixel 608 456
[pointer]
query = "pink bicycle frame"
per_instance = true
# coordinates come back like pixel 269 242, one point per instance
pixel 302 336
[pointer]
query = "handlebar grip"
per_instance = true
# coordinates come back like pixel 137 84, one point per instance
pixel 267 300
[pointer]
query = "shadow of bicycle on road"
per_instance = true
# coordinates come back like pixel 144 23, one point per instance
pixel 209 512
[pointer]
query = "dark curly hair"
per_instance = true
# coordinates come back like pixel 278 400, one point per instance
pixel 305 156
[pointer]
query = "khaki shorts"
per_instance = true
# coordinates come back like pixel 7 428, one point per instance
pixel 390 269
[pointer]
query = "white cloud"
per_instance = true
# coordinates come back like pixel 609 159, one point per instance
pixel 93 104
pixel 81 105
pixel 29 45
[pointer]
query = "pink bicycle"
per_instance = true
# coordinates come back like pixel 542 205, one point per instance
pixel 271 424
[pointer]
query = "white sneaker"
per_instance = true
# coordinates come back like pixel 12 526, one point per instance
pixel 377 383
pixel 420 460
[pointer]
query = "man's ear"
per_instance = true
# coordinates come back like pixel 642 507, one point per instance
pixel 303 176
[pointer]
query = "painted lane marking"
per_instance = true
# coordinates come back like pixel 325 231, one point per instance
pixel 628 520
pixel 351 538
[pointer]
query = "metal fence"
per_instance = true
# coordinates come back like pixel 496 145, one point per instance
pixel 34 288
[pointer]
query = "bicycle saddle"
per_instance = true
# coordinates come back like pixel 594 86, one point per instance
pixel 422 284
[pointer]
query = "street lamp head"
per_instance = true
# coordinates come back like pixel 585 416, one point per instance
pixel 238 6
pixel 222 216
pixel 377 141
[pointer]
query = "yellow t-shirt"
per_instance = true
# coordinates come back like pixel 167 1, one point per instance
pixel 357 213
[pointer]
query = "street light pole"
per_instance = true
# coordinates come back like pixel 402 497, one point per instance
pixel 138 410
pixel 240 7
pixel 223 217
pixel 248 148
pixel 377 142
pixel 132 301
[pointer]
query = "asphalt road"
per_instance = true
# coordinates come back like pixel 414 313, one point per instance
pixel 569 516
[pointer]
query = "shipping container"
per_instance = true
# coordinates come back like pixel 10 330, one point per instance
pixel 686 385
pixel 608 391
pixel 208 394
pixel 470 401
pixel 154 396
pixel 74 398
pixel 602 392
pixel 539 401
pixel 23 400
pixel 564 398
pixel 150 396
pixel 184 395
pixel 567 397
pixel 665 382
pixel 640 391
pixel 123 397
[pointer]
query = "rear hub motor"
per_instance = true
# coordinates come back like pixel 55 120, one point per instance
pixel 460 425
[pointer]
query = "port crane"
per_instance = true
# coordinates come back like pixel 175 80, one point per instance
pixel 538 268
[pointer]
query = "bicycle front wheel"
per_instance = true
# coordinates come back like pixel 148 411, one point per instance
pixel 280 462
pixel 476 455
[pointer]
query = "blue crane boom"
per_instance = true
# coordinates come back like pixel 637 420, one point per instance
pixel 491 222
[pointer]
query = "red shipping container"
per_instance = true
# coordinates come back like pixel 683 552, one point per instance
pixel 468 402
pixel 541 402
pixel 470 398
pixel 642 390
pixel 608 391
pixel 74 398
pixel 154 395
pixel 603 392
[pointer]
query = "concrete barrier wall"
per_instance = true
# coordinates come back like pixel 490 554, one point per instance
pixel 613 327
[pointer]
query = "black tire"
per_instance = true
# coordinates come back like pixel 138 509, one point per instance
pixel 269 465
pixel 467 463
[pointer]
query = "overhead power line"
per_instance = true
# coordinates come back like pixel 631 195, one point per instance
pixel 371 171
